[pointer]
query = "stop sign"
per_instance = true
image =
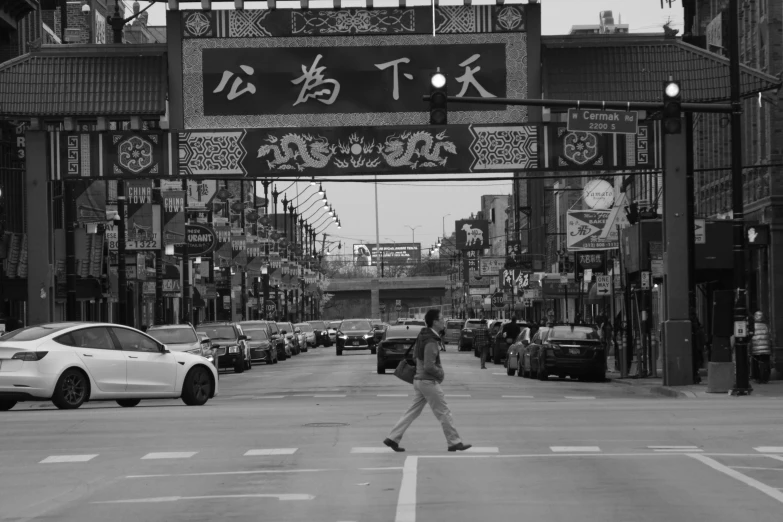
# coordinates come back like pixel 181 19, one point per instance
pixel 498 300
pixel 270 307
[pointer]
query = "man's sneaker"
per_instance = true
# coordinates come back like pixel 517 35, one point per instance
pixel 460 447
pixel 393 445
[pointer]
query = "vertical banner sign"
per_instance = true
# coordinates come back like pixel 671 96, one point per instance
pixel 172 277
pixel 254 252
pixel 238 252
pixel 142 230
pixel 222 250
pixel 201 192
pixel 174 217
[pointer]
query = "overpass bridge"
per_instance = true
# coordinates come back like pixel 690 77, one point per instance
pixel 362 297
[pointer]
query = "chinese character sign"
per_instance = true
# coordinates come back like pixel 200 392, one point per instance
pixel 142 229
pixel 173 217
pixel 585 230
pixel 360 79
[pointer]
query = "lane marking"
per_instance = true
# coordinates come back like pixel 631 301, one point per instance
pixel 392 395
pixel 775 457
pixel 169 455
pixel 455 395
pixel 282 496
pixel 516 396
pixel 498 374
pixel 55 459
pixel 372 450
pixel 220 473
pixel 714 464
pixel 325 396
pixel 673 447
pixel 679 450
pixel 757 469
pixel 482 450
pixel 406 502
pixel 769 449
pixel 272 451
pixel 269 396
pixel 575 449
pixel 381 469
pixel 580 397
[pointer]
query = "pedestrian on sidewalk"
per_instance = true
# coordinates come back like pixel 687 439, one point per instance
pixel 426 384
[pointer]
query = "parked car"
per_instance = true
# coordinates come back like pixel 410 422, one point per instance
pixel 466 335
pixel 181 338
pixel 308 333
pixel 513 359
pixel 392 347
pixel 321 333
pixel 567 351
pixel 259 341
pixel 74 362
pixel 230 341
pixel 355 334
pixel 289 333
pixel 453 329
pixel 501 345
pixel 283 350
pixel 414 322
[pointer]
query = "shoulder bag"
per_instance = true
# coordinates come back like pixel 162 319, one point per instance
pixel 406 371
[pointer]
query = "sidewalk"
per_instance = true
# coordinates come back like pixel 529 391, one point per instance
pixel 773 389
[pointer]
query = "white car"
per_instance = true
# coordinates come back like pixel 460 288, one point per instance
pixel 71 363
pixel 307 332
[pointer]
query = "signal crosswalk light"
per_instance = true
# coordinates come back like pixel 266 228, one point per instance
pixel 438 98
pixel 672 108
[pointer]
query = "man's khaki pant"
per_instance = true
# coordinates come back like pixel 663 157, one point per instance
pixel 427 392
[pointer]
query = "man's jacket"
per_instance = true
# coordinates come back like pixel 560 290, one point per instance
pixel 427 349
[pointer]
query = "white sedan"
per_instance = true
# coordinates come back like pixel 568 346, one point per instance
pixel 71 363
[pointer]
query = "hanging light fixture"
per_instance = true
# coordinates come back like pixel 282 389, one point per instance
pixel 321 190
pixel 312 181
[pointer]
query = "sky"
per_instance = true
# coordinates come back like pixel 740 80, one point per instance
pixel 423 206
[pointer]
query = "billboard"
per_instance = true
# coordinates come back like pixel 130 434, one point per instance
pixel 472 234
pixel 390 254
pixel 362 255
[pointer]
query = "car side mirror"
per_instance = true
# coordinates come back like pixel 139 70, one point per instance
pixel 242 337
pixel 283 332
pixel 205 341
pixel 163 349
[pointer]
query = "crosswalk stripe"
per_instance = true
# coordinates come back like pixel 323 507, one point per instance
pixel 579 397
pixel 675 449
pixel 575 449
pixel 169 455
pixel 56 459
pixel 456 395
pixel 269 396
pixel 392 395
pixel 272 451
pixel 769 449
pixel 517 396
pixel 372 450
pixel 482 450
pixel 324 396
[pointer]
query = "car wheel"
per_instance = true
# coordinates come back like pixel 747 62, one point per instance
pixel 7 405
pixel 510 371
pixel 128 403
pixel 372 351
pixel 381 369
pixel 339 352
pixel 197 387
pixel 239 365
pixel 70 392
pixel 541 374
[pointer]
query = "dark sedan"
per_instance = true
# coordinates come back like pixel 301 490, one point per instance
pixel 565 351
pixel 396 341
pixel 355 334
pixel 321 333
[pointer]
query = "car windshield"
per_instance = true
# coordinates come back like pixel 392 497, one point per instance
pixel 318 325
pixel 454 324
pixel 218 332
pixel 256 334
pixel 352 326
pixel 33 333
pixel 335 324
pixel 286 326
pixel 418 323
pixel 173 335
pixel 577 332
pixel 304 327
pixel 476 324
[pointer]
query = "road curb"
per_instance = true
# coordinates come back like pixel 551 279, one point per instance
pixel 667 391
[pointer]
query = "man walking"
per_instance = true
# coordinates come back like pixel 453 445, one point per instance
pixel 426 384
pixel 481 339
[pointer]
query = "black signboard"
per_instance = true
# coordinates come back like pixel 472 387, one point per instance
pixel 201 240
pixel 472 234
pixel 343 80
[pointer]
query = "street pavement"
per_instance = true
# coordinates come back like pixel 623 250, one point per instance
pixel 302 441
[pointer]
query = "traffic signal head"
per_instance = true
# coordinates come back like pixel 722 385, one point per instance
pixel 672 108
pixel 438 98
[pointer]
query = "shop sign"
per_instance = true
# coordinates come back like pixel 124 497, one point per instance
pixel 201 240
pixel 148 288
pixel 591 230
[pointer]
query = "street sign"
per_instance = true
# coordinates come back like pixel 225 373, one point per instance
pixel 498 300
pixel 603 283
pixel 645 280
pixel 398 308
pixel 740 328
pixel 398 302
pixel 270 307
pixel 603 121
pixel 699 232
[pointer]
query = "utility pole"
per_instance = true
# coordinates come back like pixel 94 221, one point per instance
pixel 742 383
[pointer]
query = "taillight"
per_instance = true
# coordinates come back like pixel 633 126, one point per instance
pixel 29 356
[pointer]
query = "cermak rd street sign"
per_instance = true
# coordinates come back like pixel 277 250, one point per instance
pixel 611 122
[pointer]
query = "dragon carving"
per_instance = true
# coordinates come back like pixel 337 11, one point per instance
pixel 293 151
pixel 416 149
